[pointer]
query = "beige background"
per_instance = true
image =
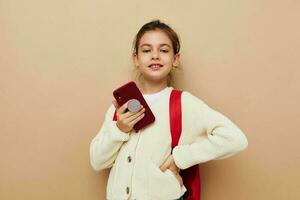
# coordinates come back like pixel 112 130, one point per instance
pixel 60 61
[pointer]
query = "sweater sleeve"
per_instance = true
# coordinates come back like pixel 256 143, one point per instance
pixel 222 138
pixel 105 146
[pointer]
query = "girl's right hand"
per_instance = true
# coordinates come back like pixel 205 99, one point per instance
pixel 126 120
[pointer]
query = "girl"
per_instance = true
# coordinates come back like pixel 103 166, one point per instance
pixel 142 164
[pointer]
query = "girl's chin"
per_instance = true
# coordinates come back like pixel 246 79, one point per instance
pixel 156 78
pixel 157 72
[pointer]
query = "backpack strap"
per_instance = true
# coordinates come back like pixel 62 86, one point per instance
pixel 190 176
pixel 115 116
pixel 175 116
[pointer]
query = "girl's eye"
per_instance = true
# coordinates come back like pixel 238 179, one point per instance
pixel 164 51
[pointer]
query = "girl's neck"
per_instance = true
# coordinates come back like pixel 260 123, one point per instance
pixel 151 88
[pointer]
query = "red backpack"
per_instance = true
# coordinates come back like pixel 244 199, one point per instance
pixel 190 176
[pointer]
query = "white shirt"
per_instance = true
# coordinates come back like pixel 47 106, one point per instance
pixel 152 98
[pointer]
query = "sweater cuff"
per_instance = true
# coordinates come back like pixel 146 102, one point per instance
pixel 182 156
pixel 117 134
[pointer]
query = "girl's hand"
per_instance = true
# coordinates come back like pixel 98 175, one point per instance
pixel 126 120
pixel 170 164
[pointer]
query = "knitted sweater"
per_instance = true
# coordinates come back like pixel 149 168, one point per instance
pixel 135 158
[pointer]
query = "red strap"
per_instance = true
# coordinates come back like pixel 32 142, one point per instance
pixel 190 176
pixel 175 116
pixel 115 116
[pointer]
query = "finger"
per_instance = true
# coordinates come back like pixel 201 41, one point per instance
pixel 167 163
pixel 132 123
pixel 116 104
pixel 123 108
pixel 128 115
pixel 164 166
pixel 133 116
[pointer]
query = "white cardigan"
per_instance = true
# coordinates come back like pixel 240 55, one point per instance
pixel 135 159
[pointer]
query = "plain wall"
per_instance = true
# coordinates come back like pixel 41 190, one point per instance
pixel 60 61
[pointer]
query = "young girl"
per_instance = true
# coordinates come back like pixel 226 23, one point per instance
pixel 143 167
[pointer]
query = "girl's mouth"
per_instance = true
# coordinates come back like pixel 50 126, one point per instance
pixel 155 66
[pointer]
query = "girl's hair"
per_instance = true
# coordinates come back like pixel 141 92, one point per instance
pixel 152 26
pixel 157 25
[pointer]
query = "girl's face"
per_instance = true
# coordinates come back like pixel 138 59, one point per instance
pixel 155 57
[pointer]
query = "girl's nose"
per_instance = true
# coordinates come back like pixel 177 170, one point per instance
pixel 155 55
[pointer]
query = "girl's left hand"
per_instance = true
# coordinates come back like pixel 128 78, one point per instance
pixel 170 164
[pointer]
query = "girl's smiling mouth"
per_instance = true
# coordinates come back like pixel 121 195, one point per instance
pixel 155 66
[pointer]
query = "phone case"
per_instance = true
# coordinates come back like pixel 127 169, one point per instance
pixel 131 91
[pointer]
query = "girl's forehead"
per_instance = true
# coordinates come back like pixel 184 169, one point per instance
pixel 154 38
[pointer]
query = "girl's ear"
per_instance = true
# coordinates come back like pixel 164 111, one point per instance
pixel 135 60
pixel 176 61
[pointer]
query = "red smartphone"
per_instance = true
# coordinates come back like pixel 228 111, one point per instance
pixel 130 91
